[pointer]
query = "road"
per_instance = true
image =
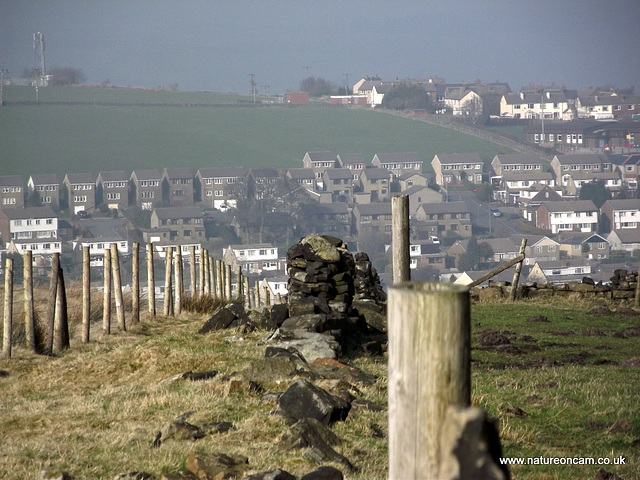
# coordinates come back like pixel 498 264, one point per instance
pixel 481 217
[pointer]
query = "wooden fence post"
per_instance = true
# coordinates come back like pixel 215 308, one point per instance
pixel 219 279
pixel 227 280
pixel 256 292
pixel 135 283
pixel 429 370
pixel 400 238
pixel 117 287
pixel 29 316
pixel 201 270
pixel 151 281
pixel 7 330
pixel 211 274
pixel 516 275
pixel 206 275
pixel 51 305
pixel 86 294
pixel 192 272
pixel 239 284
pixel 106 298
pixel 179 280
pixel 168 294
pixel 62 315
pixel 247 294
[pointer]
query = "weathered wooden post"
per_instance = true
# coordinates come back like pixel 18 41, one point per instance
pixel 256 292
pixel 211 274
pixel 151 281
pixel 51 303
pixel 192 271
pixel 219 279
pixel 86 294
pixel 201 270
pixel 179 280
pixel 168 295
pixel 429 370
pixel 106 299
pixel 117 287
pixel 239 284
pixel 247 294
pixel 267 297
pixel 516 274
pixel 29 316
pixel 135 283
pixel 62 316
pixel 637 299
pixel 227 280
pixel 7 331
pixel 206 277
pixel 400 238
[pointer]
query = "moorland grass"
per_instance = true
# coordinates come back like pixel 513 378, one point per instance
pixel 95 409
pixel 54 138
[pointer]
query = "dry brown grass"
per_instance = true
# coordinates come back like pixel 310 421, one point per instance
pixel 94 410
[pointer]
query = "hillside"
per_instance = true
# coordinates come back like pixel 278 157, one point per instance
pixel 127 130
pixel 556 375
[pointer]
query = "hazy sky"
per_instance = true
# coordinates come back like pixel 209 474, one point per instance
pixel 214 45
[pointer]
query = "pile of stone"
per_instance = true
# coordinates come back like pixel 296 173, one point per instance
pixel 366 281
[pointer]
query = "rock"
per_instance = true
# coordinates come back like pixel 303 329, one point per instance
pixel 322 248
pixel 4 373
pixel 134 476
pixel 311 323
pixel 179 476
pixel 221 319
pixel 310 345
pixel 304 400
pixel 217 427
pixel 593 332
pixel 193 376
pixel 270 369
pixel 308 432
pixel 633 362
pixel 324 473
pixel 322 455
pixel 276 474
pixel 604 475
pixel 470 446
pixel 179 429
pixel 331 369
pixel 279 313
pixel 217 465
pixel 54 475
pixel 374 315
pixel 512 411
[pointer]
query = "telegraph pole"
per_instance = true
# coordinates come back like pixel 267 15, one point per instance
pixel 2 72
pixel 307 67
pixel 346 91
pixel 253 86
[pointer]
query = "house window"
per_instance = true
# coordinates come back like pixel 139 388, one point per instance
pixel 219 193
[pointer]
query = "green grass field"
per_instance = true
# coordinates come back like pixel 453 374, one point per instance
pixel 55 138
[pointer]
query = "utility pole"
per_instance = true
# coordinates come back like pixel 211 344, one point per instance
pixel 307 67
pixel 2 72
pixel 253 86
pixel 346 90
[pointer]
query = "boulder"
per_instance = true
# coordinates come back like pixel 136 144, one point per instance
pixel 217 465
pixel 324 473
pixel 275 474
pixel 304 400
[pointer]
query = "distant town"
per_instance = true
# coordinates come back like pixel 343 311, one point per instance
pixel 571 191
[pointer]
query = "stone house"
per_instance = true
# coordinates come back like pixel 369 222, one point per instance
pixel 376 183
pixel 81 192
pixel 216 187
pixel 353 161
pixel 398 163
pixel 338 182
pixel 177 187
pixel 173 224
pixel 47 187
pixel 326 219
pixel 440 219
pixel 372 218
pixel 452 169
pixel 11 191
pixel 112 189
pixel 146 188
pixel 319 162
pixel 620 214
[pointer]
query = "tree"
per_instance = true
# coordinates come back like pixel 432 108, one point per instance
pixel 316 87
pixel 596 192
pixel 484 192
pixel 475 254
pixel 66 76
pixel 407 96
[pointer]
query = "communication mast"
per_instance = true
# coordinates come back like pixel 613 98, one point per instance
pixel 38 53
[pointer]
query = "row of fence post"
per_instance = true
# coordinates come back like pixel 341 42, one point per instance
pixel 213 278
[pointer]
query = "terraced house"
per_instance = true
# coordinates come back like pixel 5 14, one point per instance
pixel 567 216
pixel 146 188
pixel 81 192
pixel 47 187
pixel 112 189
pixel 11 191
pixel 177 187
pixel 215 187
pixel 31 228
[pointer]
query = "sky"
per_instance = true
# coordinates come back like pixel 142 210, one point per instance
pixel 214 45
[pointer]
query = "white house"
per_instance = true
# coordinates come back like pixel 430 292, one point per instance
pixel 97 248
pixel 31 228
pixel 254 258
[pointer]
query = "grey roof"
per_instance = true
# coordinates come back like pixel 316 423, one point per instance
pixel 263 172
pixel 113 176
pixel 325 208
pixel 625 204
pixel 300 173
pixel 570 206
pixel 451 158
pixel 222 172
pixel 321 156
pixel 11 181
pixel 581 158
pixel 351 159
pixel 518 159
pixel 178 212
pixel 448 207
pixel 29 212
pixel 383 208
pixel 609 99
pixel 45 179
pixel 398 157
pixel 383 87
pixel 628 235
pixel 368 85
pixel 151 174
pixel 338 173
pixel 376 173
pixel 80 178
pixel 501 244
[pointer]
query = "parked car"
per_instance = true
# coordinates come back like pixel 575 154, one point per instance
pixel 435 240
pixel 495 211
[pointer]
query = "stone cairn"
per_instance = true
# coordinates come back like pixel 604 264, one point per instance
pixel 324 281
